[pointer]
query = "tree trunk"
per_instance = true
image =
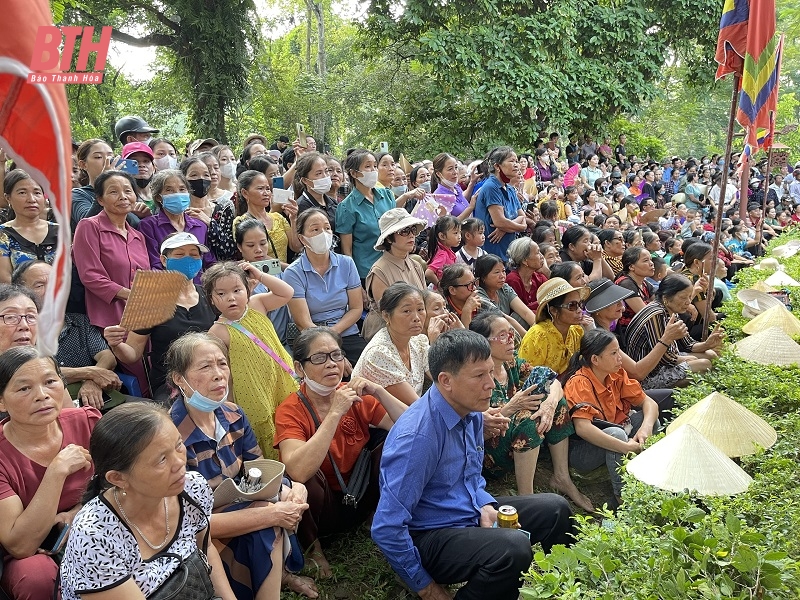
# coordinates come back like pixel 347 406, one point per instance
pixel 308 36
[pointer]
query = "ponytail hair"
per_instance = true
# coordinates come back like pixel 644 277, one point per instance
pixel 593 342
pixel 443 225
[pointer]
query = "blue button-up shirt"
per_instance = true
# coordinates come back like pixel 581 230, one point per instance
pixel 430 479
pixel 493 192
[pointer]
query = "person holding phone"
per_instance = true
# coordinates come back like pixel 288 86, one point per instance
pixel 44 467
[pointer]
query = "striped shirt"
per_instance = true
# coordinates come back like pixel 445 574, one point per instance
pixel 221 458
pixel 645 331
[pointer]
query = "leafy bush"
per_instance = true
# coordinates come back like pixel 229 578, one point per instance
pixel 664 545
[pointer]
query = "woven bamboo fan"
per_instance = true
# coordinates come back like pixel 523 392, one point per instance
pixel 152 300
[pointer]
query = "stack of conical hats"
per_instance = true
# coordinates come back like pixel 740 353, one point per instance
pixel 756 302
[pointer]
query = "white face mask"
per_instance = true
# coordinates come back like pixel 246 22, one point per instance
pixel 228 170
pixel 369 179
pixel 425 186
pixel 319 388
pixel 449 183
pixel 321 186
pixel 165 162
pixel 320 243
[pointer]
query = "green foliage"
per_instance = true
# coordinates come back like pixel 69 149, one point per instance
pixel 665 545
pixel 639 142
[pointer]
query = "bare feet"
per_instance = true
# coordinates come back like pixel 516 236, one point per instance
pixel 300 585
pixel 568 487
pixel 319 559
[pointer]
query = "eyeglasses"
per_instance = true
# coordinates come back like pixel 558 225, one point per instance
pixel 618 239
pixel 503 338
pixel 470 286
pixel 573 306
pixel 407 231
pixel 320 358
pixel 15 319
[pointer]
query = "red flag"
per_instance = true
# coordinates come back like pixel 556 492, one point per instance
pixel 732 40
pixel 35 132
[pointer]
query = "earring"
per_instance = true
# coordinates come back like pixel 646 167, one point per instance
pixel 124 493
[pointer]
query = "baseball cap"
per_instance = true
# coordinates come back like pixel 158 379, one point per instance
pixel 182 239
pixel 135 147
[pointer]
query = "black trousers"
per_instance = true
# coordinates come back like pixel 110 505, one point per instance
pixel 491 561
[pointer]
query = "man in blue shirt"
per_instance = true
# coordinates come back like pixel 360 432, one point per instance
pixel 434 521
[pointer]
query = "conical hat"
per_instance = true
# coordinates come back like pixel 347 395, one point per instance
pixel 785 251
pixel 777 316
pixel 756 302
pixel 768 264
pixel 769 347
pixel 685 460
pixel 404 164
pixel 760 286
pixel 793 243
pixel 728 425
pixel 780 279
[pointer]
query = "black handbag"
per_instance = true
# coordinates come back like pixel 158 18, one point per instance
pixel 359 478
pixel 191 580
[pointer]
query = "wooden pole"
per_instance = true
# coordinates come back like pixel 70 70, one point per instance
pixel 766 190
pixel 737 81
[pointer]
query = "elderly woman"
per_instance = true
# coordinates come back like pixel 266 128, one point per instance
pixel 613 243
pixel 140 509
pixel 327 290
pixel 218 439
pixel 396 358
pixel 598 388
pixel 459 287
pixel 491 276
pixel 171 195
pixel 260 368
pixel 528 270
pixel 346 419
pixel 216 209
pixel 557 333
pixel 498 204
pixel 107 251
pixel 577 246
pixel 27 236
pixel 44 467
pixel 180 252
pixel 357 215
pixel 397 241
pixel 535 417
pixel 647 329
pixel 312 184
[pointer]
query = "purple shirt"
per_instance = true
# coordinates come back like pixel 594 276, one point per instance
pixel 157 227
pixel 106 263
pixel 461 203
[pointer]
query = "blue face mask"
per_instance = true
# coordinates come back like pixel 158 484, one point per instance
pixel 399 190
pixel 175 203
pixel 188 265
pixel 200 402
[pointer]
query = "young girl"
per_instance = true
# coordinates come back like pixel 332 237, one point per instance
pixel 442 238
pixel 673 246
pixel 262 377
pixel 472 233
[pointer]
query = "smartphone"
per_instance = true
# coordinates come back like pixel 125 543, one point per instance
pixel 271 266
pixel 301 135
pixel 277 182
pixel 128 165
pixel 56 539
pixel 384 146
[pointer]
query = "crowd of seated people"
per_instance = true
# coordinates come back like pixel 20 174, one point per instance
pixel 308 326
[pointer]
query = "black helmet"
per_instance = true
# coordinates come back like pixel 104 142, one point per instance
pixel 131 124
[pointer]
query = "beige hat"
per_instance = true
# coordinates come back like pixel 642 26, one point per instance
pixel 777 316
pixel 769 347
pixel 678 198
pixel 553 288
pixel 785 251
pixel 768 264
pixel 728 425
pixel 393 221
pixel 756 302
pixel 763 287
pixel 228 492
pixel 780 279
pixel 685 460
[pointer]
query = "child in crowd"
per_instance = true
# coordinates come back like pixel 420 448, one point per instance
pixel 673 246
pixel 473 236
pixel 442 238
pixel 660 271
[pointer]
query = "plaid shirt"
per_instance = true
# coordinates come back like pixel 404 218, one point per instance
pixel 217 460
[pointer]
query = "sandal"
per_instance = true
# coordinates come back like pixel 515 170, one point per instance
pixel 304 586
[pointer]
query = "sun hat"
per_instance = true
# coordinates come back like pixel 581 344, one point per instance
pixel 768 264
pixel 785 251
pixel 393 221
pixel 135 147
pixel 769 347
pixel 777 316
pixel 228 492
pixel 183 238
pixel 603 292
pixel 678 198
pixel 780 279
pixel 728 425
pixel 686 460
pixel 756 302
pixel 253 137
pixel 553 288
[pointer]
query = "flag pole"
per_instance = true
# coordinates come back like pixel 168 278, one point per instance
pixel 766 189
pixel 737 81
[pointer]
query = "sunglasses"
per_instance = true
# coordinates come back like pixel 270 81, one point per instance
pixel 503 338
pixel 573 306
pixel 407 231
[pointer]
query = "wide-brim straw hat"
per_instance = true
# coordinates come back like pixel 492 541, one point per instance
pixel 756 302
pixel 768 264
pixel 728 425
pixel 785 251
pixel 769 347
pixel 553 288
pixel 393 221
pixel 777 316
pixel 780 279
pixel 228 492
pixel 685 460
